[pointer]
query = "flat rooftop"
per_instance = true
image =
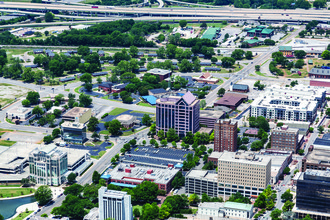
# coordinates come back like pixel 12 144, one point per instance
pixel 211 114
pixel 157 71
pixel 244 157
pixel 69 124
pixel 211 205
pixel 316 175
pixel 319 155
pixel 203 174
pixel 19 110
pixel 137 174
pixel 76 112
pixel 74 154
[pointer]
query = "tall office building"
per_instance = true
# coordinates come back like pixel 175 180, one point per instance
pixel 180 113
pixel 114 205
pixel 243 172
pixel 313 194
pixel 48 165
pixel 285 138
pixel 225 136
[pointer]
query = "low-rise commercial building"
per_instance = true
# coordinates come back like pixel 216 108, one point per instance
pixel 243 172
pixel 231 100
pixel 317 157
pixel 73 132
pixel 286 50
pixel 208 118
pixel 131 175
pixel 240 88
pixel 21 114
pixel 319 73
pixel 48 165
pixel 114 205
pixel 201 181
pixel 127 120
pixel 285 138
pixel 163 74
pixel 206 78
pixel 78 114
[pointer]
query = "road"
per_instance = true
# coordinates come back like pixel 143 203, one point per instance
pixel 162 13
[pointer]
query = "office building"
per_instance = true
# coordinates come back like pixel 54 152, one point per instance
pixel 201 181
pixel 243 172
pixel 285 138
pixel 78 114
pixel 313 194
pixel 225 135
pixel 48 165
pixel 131 175
pixel 21 114
pixel 217 211
pixel 114 205
pixel 163 74
pixel 208 118
pixel 180 113
pixel 298 103
pixel 73 132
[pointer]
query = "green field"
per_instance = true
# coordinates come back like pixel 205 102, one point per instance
pixel 101 153
pixel 146 105
pixel 117 111
pixel 22 215
pixel 4 193
pixel 7 143
pixel 148 113
pixel 10 185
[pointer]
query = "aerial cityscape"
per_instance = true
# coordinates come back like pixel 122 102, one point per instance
pixel 164 109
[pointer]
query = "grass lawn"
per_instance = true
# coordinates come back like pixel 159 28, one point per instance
pixel 148 113
pixel 7 143
pixel 9 121
pixel 146 105
pixel 319 62
pixel 108 147
pixel 194 211
pixel 220 82
pixel 10 185
pixel 22 215
pixel 5 130
pixel 1 133
pixel 106 132
pixel 16 192
pixel 117 111
pixel 101 153
pixel 76 90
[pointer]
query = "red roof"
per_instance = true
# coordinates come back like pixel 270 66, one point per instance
pixel 251 131
pixel 231 99
pixel 206 75
pixel 319 83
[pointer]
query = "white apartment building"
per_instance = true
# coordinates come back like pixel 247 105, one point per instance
pixel 243 172
pixel 298 103
pixel 114 205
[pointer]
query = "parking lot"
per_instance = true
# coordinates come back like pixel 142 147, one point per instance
pixel 93 150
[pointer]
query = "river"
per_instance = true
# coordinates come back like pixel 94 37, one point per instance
pixel 8 207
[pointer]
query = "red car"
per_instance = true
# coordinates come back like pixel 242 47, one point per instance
pixel 95 6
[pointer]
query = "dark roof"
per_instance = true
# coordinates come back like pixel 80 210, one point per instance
pixel 324 142
pixel 111 61
pixel 51 54
pixel 106 84
pixel 174 63
pixel 99 74
pixel 100 52
pixel 231 99
pixel 66 79
pixel 31 66
pixel 143 69
pixel 157 91
pixel 219 63
pixel 120 86
pixel 212 68
pixel 38 50
pixel 201 55
pixel 140 53
pixel 152 54
pixel 67 54
pixel 240 87
pixel 205 63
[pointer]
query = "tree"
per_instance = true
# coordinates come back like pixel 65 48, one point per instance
pixel 136 212
pixel 149 211
pixel 71 65
pixel 86 78
pixel 27 75
pixel 319 3
pixel 161 52
pixel 145 192
pixel 238 54
pixel 172 135
pixel 320 129
pixel 238 197
pixel 72 178
pixel 96 177
pixel 73 207
pixel 33 97
pixel 259 85
pixel 300 54
pixel 257 67
pixel 306 218
pixel 193 198
pixel 275 214
pixel 47 139
pixel 95 136
pixel 75 189
pixel 85 100
pixel 56 67
pixel 92 124
pixel 183 23
pixel 163 142
pixel 49 17
pixel 56 132
pixel 133 51
pixel 106 138
pixel 146 120
pixel 161 134
pixel 249 55
pixel 326 55
pixel 288 205
pixel 227 61
pixel 221 92
pixel 114 127
pixel 287 195
pixel 203 25
pixel 47 104
pixel 43 195
pixel 299 64
pixel 83 50
pixel 37 111
pixel 165 210
pixel 286 170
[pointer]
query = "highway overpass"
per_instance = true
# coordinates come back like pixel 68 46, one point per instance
pixel 185 13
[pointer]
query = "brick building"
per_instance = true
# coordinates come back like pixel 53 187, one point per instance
pixel 285 138
pixel 225 136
